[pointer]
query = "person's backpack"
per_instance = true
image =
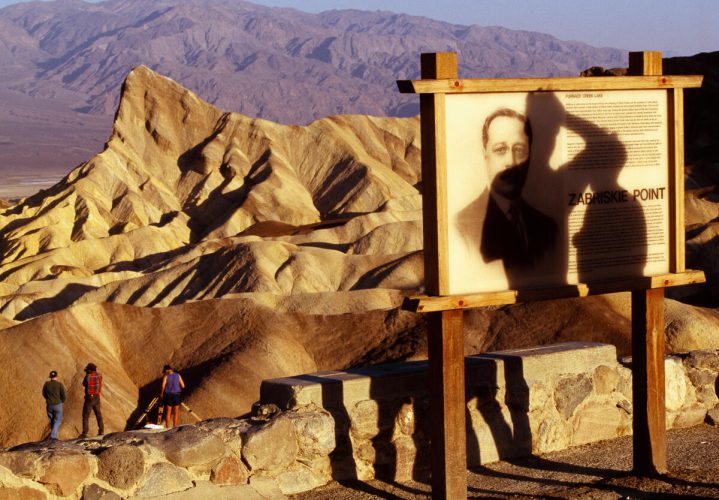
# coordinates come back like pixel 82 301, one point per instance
pixel 94 384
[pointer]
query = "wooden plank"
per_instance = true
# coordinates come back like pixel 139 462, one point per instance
pixel 677 244
pixel 434 174
pixel 479 85
pixel 447 402
pixel 648 424
pixel 425 304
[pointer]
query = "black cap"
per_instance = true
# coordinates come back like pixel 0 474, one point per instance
pixel 53 374
pixel 91 367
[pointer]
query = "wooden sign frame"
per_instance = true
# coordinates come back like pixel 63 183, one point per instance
pixel 445 342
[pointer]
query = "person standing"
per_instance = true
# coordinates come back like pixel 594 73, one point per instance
pixel 171 394
pixel 54 393
pixel 93 390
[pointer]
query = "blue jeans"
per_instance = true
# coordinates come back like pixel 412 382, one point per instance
pixel 54 414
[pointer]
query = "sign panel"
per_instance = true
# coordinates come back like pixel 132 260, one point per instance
pixel 553 188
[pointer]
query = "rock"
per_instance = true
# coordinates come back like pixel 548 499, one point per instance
pixel 189 446
pixel 271 447
pixel 229 471
pixel 163 479
pixel 691 416
pixel 700 376
pixel 606 379
pixel 264 412
pixel 315 433
pixel 689 329
pixel 121 466
pixel 528 395
pixel 712 416
pixel 596 422
pixel 65 471
pixel 21 463
pixel 97 492
pixel 707 395
pixel 405 421
pixel 408 459
pixel 707 359
pixel 266 487
pixel 625 405
pixel 570 392
pixel 204 490
pixel 364 418
pixel 298 479
pixel 21 493
pixel 230 431
pixel 675 384
pixel 552 435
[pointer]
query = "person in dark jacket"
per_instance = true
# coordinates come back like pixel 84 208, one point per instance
pixel 171 394
pixel 54 393
pixel 93 390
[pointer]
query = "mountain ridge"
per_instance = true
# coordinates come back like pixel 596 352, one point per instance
pixel 68 60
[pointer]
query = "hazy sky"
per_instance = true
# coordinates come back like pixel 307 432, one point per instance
pixel 677 27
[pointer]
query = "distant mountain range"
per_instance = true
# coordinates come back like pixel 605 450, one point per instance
pixel 64 61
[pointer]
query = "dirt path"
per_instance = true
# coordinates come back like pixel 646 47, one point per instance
pixel 596 471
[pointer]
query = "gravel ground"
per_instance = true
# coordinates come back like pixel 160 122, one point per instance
pixel 596 471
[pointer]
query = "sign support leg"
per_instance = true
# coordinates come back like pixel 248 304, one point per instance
pixel 649 439
pixel 449 435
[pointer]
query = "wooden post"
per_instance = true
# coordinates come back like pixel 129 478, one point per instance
pixel 650 439
pixel 448 444
pixel 446 329
pixel 649 427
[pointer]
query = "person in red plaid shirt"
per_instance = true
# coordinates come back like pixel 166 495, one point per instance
pixel 93 389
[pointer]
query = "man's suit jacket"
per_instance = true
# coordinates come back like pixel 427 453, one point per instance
pixel 499 239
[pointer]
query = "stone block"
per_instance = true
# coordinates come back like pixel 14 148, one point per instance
pixel 271 447
pixel 121 466
pixel 229 471
pixel 340 388
pixel 496 433
pixel 190 446
pixel 164 479
pixel 552 360
pixel 64 471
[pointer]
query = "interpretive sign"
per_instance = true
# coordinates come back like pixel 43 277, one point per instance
pixel 553 188
pixel 542 188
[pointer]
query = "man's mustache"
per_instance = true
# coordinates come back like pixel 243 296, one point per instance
pixel 514 175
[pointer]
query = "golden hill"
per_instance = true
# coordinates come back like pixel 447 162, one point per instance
pixel 238 249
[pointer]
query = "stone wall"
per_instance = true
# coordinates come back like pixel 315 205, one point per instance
pixel 363 423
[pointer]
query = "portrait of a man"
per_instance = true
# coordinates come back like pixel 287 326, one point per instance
pixel 512 230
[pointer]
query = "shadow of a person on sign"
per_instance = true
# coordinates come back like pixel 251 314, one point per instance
pixel 604 233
